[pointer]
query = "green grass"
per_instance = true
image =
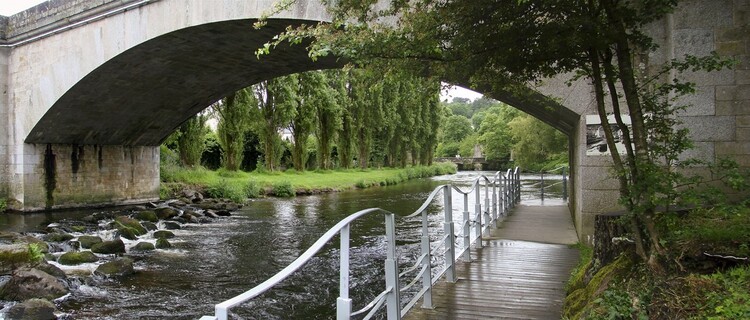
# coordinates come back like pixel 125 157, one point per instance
pixel 238 184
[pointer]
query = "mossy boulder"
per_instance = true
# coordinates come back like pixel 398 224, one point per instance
pixel 144 246
pixel 150 226
pixel 32 283
pixel 109 247
pixel 166 213
pixel 162 243
pixel 32 309
pixel 149 216
pixel 130 223
pixel 76 258
pixel 116 268
pixel 127 233
pixel 58 237
pixel 171 225
pixel 88 241
pixel 163 234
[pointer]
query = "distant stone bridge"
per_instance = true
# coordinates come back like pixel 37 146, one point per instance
pixel 91 87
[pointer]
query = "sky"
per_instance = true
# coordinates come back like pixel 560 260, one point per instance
pixel 10 7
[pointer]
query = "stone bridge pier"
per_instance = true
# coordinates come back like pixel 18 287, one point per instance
pixel 90 88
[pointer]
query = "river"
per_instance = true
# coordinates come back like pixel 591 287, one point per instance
pixel 212 262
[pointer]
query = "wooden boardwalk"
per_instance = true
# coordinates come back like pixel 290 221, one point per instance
pixel 519 274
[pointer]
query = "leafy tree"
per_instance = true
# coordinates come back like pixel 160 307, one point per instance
pixel 535 142
pixel 455 128
pixel 275 108
pixel 233 112
pixel 328 116
pixel 527 40
pixel 190 140
pixel 494 134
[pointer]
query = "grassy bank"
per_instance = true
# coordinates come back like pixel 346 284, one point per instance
pixel 707 276
pixel 239 185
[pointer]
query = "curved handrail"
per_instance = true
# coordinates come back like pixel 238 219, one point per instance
pixel 427 202
pixel 223 307
pixel 508 186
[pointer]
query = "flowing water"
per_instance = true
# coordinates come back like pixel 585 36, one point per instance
pixel 212 262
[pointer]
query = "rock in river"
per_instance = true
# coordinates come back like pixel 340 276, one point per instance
pixel 163 234
pixel 32 309
pixel 88 241
pixel 109 247
pixel 116 268
pixel 143 246
pixel 32 283
pixel 75 258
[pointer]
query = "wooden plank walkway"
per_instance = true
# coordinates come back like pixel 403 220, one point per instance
pixel 519 274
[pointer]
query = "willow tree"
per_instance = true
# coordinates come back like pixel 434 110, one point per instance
pixel 234 121
pixel 504 45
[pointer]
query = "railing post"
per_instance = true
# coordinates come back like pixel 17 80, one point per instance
pixel 494 202
pixel 450 245
pixel 518 185
pixel 427 276
pixel 478 215
pixel 487 219
pixel 564 185
pixel 393 301
pixel 542 186
pixel 344 303
pixel 467 230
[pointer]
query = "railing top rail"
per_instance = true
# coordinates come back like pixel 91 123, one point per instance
pixel 556 169
pixel 297 263
pixel 475 183
pixel 427 202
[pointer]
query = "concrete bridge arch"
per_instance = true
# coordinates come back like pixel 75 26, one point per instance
pixel 85 108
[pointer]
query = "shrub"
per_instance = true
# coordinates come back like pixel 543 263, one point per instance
pixel 223 189
pixel 3 204
pixel 252 189
pixel 283 189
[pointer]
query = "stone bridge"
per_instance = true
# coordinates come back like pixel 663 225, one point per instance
pixel 91 87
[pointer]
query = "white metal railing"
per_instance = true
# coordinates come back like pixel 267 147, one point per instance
pixel 505 189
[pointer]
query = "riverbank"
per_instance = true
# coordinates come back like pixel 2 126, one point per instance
pixel 707 273
pixel 238 185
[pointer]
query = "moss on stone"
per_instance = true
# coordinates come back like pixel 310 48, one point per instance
pixel 163 234
pixel 149 216
pixel 88 241
pixel 131 223
pixel 75 258
pixel 162 243
pixel 109 247
pixel 578 301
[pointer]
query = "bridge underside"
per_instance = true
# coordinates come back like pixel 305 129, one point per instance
pixel 139 97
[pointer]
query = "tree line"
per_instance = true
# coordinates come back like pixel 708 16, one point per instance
pixel 354 117
pixel 504 134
